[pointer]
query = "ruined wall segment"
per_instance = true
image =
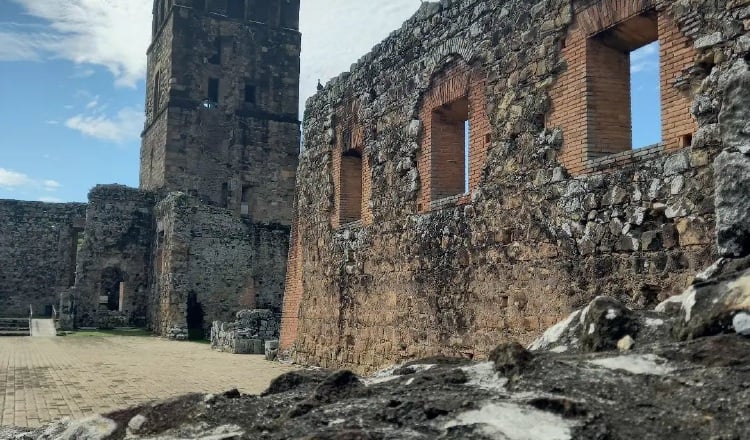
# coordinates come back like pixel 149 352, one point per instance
pixel 222 106
pixel 208 263
pixel 112 273
pixel 591 98
pixel 535 237
pixel 38 246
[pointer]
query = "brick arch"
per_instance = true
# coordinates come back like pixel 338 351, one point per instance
pixel 461 47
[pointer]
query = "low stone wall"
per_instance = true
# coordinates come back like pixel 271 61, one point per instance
pixel 247 335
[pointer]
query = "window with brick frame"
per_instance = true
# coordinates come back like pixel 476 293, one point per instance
pixel 350 168
pixel 608 72
pixel 350 184
pixel 449 149
pixel 456 135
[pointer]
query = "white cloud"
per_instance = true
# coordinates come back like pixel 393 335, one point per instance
pixel 10 179
pixel 51 185
pixel 16 46
pixel 14 180
pixel 93 103
pixel 116 34
pixel 645 59
pixel 126 125
pixel 336 33
pixel 110 33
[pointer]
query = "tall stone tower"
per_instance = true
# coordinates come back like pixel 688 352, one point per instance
pixel 222 104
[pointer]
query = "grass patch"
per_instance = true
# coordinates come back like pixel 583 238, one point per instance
pixel 107 333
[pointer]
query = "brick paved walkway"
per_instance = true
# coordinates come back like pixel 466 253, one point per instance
pixel 43 379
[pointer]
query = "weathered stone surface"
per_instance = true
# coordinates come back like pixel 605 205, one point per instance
pixel 510 359
pixel 38 246
pixel 710 307
pixel 237 149
pixel 222 125
pixel 733 204
pixel 538 233
pixel 219 264
pixel 733 120
pixel 605 321
pixel 456 399
pixel 248 334
pixel 112 281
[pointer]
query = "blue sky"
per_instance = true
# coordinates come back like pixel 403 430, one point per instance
pixel 71 74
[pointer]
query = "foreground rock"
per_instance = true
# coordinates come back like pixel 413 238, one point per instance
pixel 698 389
pixel 606 372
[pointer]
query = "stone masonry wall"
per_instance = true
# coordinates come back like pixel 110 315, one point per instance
pixel 238 149
pixel 116 249
pixel 38 244
pixel 221 260
pixel 529 242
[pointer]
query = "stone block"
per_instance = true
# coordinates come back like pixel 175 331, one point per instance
pixel 732 171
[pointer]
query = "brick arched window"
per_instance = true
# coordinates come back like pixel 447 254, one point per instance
pixel 351 169
pixel 455 136
pixel 591 99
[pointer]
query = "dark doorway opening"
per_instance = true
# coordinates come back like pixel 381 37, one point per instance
pixel 195 318
pixel 113 284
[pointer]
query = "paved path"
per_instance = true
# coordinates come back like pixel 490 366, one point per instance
pixel 43 328
pixel 43 379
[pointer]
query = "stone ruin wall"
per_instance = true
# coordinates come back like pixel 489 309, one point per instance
pixel 38 243
pixel 549 221
pixel 225 262
pixel 116 249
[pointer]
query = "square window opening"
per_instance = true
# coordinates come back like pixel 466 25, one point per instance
pixel 450 140
pixel 623 87
pixel 236 9
pixel 259 10
pixel 245 200
pixel 250 96
pixel 686 140
pixel 213 90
